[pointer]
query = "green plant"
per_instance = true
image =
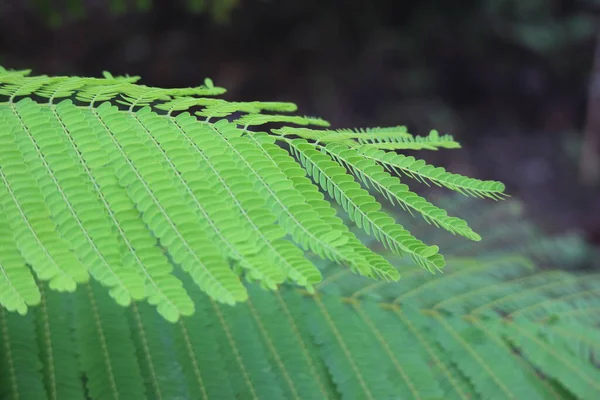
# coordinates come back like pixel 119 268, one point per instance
pixel 492 327
pixel 118 189
pixel 112 178
pixel 107 184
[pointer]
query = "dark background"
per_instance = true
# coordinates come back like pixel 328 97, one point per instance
pixel 510 79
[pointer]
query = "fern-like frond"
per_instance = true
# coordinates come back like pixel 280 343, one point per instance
pixel 105 344
pixel 261 119
pixel 18 289
pixel 392 138
pixel 361 207
pixel 366 135
pixel 110 178
pixel 55 339
pixel 423 172
pixel 20 366
pixel 433 141
pixel 372 174
pixel 494 327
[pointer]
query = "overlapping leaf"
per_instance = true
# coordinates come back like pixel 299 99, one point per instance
pixel 106 177
pixel 491 327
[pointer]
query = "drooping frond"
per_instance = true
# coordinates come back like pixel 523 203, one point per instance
pixel 17 288
pixel 362 208
pixel 392 138
pixel 504 325
pixel 366 143
pixel 423 172
pixel 433 141
pixel 107 178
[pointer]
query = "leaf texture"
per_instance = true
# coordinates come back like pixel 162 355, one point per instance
pixel 501 326
pixel 195 211
pixel 107 178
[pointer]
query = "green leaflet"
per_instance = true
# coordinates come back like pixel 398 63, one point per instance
pixel 109 177
pixel 362 208
pixel 27 207
pixel 20 371
pixel 17 288
pixel 370 173
pixel 55 338
pixel 421 171
pixel 105 345
pixel 392 138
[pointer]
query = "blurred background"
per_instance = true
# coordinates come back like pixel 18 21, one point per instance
pixel 512 80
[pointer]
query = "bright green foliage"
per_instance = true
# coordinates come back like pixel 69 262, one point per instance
pixel 500 326
pixel 107 178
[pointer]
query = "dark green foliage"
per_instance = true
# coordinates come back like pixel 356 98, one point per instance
pixel 497 326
